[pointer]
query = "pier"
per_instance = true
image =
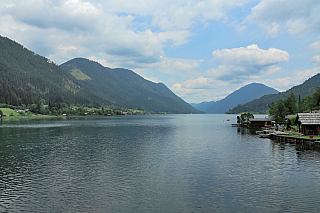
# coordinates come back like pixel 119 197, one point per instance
pixel 292 139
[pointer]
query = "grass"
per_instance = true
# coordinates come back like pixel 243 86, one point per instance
pixel 291 134
pixel 8 111
pixel 17 116
pixel 79 75
pixel 307 136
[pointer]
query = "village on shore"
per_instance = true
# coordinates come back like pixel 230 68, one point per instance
pixel 299 128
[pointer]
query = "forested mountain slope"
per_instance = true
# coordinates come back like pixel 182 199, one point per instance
pixel 242 95
pixel 27 77
pixel 32 73
pixel 15 96
pixel 126 88
pixel 261 105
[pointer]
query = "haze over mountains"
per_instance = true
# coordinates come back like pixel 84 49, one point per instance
pixel 240 96
pixel 27 77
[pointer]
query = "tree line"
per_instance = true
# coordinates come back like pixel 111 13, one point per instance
pixel 292 105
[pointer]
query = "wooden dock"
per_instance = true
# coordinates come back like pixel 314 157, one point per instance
pixel 236 125
pixel 296 140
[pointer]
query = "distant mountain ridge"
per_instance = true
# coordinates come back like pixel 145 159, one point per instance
pixel 126 88
pixel 243 95
pixel 261 105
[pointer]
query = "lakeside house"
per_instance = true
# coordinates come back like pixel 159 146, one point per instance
pixel 259 122
pixel 308 123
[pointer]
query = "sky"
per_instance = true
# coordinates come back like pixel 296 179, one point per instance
pixel 202 50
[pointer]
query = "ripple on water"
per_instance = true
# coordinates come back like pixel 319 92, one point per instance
pixel 170 163
pixel 34 125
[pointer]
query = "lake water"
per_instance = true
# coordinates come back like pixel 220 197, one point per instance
pixel 152 163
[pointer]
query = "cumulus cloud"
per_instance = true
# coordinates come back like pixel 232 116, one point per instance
pixel 130 34
pixel 203 83
pixel 179 66
pixel 297 77
pixel 296 17
pixel 67 15
pixel 315 45
pixel 251 55
pixel 199 95
pixel 316 59
pixel 179 14
pixel 65 29
pixel 192 95
pixel 247 62
pixel 200 89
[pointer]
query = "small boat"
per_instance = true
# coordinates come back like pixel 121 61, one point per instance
pixel 228 119
pixel 264 135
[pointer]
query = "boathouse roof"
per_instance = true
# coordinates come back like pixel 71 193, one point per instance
pixel 309 118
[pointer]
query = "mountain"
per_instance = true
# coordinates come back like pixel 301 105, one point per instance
pixel 26 77
pixel 240 96
pixel 203 106
pixel 28 72
pixel 15 96
pixel 261 105
pixel 126 88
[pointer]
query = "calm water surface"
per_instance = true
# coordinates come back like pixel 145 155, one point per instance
pixel 153 163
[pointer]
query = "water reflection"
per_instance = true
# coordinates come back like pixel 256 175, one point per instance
pixel 246 131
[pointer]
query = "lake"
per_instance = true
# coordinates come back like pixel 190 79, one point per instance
pixel 152 163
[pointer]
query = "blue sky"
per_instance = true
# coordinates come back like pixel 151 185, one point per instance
pixel 201 49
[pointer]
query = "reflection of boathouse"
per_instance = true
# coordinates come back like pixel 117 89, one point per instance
pixel 309 123
pixel 260 122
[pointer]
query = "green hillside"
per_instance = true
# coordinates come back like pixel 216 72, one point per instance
pixel 15 96
pixel 32 73
pixel 26 78
pixel 126 88
pixel 261 105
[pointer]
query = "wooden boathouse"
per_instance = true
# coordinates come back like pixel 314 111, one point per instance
pixel 308 123
pixel 259 122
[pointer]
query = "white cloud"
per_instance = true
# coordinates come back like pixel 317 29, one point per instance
pixel 129 33
pixel 297 17
pixel 297 77
pixel 179 14
pixel 200 89
pixel 273 70
pixel 62 30
pixel 179 66
pixel 315 45
pixel 280 84
pixel 316 59
pixel 193 95
pixel 247 62
pixel 251 55
pixel 203 83
pixel 67 15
